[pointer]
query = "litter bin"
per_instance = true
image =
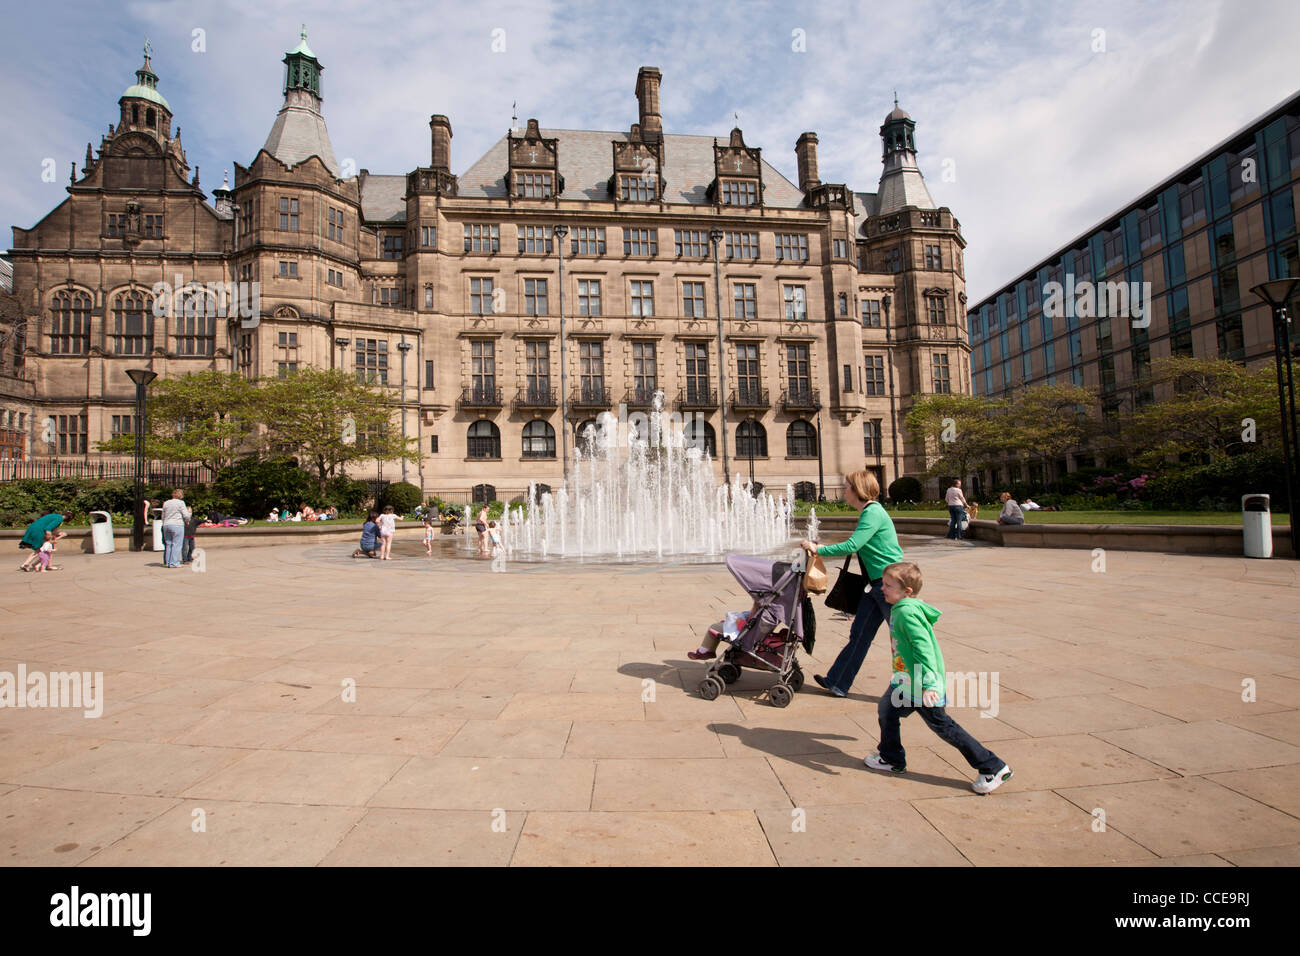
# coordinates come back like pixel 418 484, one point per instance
pixel 1256 527
pixel 101 532
pixel 156 514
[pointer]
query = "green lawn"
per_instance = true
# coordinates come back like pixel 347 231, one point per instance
pixel 1232 518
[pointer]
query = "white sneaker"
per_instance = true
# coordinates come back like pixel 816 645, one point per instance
pixel 986 783
pixel 875 762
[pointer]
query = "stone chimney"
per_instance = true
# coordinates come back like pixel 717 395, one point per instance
pixel 440 127
pixel 647 97
pixel 806 152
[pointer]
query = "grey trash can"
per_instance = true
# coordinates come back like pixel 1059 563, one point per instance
pixel 156 514
pixel 101 532
pixel 1256 527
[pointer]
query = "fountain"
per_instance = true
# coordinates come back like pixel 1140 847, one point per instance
pixel 641 489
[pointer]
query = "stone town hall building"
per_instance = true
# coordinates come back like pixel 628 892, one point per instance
pixel 838 306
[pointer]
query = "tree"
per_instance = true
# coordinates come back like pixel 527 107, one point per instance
pixel 208 416
pixel 1217 408
pixel 1046 421
pixel 959 431
pixel 327 419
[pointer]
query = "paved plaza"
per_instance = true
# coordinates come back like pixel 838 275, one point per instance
pixel 548 715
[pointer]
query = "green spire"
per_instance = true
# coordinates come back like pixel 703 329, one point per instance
pixel 302 69
pixel 146 81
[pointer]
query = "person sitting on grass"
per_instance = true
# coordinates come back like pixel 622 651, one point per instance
pixel 1011 513
pixel 919 684
pixel 369 537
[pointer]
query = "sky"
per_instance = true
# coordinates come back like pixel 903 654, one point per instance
pixel 1035 120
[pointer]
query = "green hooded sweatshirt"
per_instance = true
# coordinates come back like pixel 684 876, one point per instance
pixel 917 659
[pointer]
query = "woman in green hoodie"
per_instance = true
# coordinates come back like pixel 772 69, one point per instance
pixel 875 543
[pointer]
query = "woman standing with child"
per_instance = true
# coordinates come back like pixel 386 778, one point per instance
pixel 875 542
pixel 175 514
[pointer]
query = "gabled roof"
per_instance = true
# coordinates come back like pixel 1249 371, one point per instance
pixel 586 163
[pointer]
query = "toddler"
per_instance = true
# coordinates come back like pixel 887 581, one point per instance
pixel 387 525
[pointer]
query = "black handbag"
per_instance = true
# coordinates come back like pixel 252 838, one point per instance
pixel 849 587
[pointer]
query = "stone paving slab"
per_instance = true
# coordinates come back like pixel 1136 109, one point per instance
pixel 428 711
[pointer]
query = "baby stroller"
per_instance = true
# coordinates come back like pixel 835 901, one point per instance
pixel 772 632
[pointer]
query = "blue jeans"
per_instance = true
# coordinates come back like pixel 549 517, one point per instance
pixel 173 538
pixel 955 515
pixel 937 719
pixel 187 550
pixel 873 610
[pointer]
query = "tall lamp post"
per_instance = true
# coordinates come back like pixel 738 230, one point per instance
pixel 821 477
pixel 715 236
pixel 561 230
pixel 1277 293
pixel 403 347
pixel 142 377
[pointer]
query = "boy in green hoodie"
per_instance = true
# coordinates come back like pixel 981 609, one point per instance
pixel 919 673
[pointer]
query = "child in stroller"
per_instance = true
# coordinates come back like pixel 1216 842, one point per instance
pixel 766 636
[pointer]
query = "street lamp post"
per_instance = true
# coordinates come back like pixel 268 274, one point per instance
pixel 142 377
pixel 561 230
pixel 1277 293
pixel 403 347
pixel 715 236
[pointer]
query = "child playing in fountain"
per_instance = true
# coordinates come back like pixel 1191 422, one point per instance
pixel 387 525
pixel 428 518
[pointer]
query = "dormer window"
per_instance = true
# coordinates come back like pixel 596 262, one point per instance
pixel 534 185
pixel 736 193
pixel 637 188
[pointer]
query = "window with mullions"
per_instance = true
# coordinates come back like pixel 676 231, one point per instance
pixel 392 298
pixel 285 369
pixel 745 298
pixel 482 237
pixel 288 214
pixel 535 239
pixel 933 258
pixel 637 188
pixel 132 323
pixel 539 440
pixel 875 374
pixel 587 241
pixel 483 368
pixel 1149 226
pixel 428 237
pixel 747 378
pixel 535 302
pixel 70 324
pixel 537 368
pixel 871 443
pixel 797 369
pixel 370 359
pixel 1231 341
pixel 589 297
pixel 942 382
pixel 196 324
pixel 1191 201
pixel 483 440
pixel 893 260
pixel 840 248
pixel 122 425
pixel 693 300
pixel 153 227
pixel 690 243
pixel 643 298
pixel 739 193
pixel 935 310
pixel 640 242
pixel 116 226
pixel 793 247
pixel 697 371
pixel 871 313
pixel 800 440
pixel 334 224
pixel 742 245
pixel 71 434
pixel 796 304
pixel 533 185
pixel 751 440
pixel 392 246
pixel 645 369
pixel 480 296
pixel 591 370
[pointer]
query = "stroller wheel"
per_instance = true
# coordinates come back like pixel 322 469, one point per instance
pixel 729 672
pixel 781 695
pixel 796 679
pixel 710 688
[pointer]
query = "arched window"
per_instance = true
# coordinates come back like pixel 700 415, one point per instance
pixel 483 494
pixel 132 323
pixel 484 440
pixel 542 489
pixel 751 440
pixel 539 440
pixel 699 434
pixel 70 323
pixel 805 491
pixel 581 437
pixel 801 440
